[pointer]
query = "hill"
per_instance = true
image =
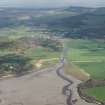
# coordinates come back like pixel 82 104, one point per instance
pixel 79 9
pixel 88 24
pixel 75 22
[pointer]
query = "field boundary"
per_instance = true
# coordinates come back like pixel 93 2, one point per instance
pixel 87 61
pixel 90 84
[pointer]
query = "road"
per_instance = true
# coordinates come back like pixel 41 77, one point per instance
pixel 47 87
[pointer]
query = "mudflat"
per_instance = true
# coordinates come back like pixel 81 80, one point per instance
pixel 41 88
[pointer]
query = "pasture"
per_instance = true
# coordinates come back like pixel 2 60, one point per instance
pixel 89 56
pixel 97 92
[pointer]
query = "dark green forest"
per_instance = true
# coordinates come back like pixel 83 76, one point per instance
pixel 75 22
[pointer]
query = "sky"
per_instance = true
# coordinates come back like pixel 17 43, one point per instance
pixel 51 3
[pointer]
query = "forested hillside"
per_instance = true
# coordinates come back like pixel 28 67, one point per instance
pixel 75 22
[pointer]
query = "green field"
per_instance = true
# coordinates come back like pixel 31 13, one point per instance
pixel 96 69
pixel 89 55
pixel 98 93
pixel 18 32
pixel 18 43
pixel 26 60
pixel 85 50
pixel 41 53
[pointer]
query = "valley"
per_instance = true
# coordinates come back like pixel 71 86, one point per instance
pixel 40 46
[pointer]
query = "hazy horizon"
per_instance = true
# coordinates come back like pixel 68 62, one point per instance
pixel 51 4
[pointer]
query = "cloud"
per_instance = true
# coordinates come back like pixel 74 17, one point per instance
pixel 51 3
pixel 36 3
pixel 88 3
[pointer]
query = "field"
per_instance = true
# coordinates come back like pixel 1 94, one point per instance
pixel 17 32
pixel 96 69
pixel 89 55
pixel 42 56
pixel 23 45
pixel 18 62
pixel 98 92
pixel 41 53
